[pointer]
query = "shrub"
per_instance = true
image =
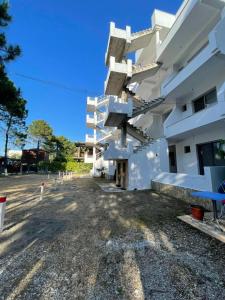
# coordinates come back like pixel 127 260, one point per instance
pixel 71 166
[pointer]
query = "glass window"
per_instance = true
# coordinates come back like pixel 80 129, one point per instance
pixel 184 107
pixel 187 149
pixel 199 104
pixel 211 97
pixel 219 153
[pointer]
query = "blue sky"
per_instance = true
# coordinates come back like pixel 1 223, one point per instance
pixel 64 41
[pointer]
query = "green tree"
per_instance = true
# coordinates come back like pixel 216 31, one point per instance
pixel 13 119
pixel 41 132
pixel 65 149
pixel 20 142
pixel 8 92
pixel 7 52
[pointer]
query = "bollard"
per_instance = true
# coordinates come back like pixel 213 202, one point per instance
pixel 55 184
pixel 48 176
pixel 59 174
pixel 42 190
pixel 2 212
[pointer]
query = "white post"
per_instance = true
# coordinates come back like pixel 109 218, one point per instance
pixel 2 212
pixel 42 191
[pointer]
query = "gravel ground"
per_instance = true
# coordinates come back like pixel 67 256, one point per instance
pixel 80 242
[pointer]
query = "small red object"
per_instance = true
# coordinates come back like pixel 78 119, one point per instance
pixel 197 212
pixel 2 199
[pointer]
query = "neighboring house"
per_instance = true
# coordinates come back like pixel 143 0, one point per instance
pixel 164 113
pixel 30 157
pixel 79 152
pixel 83 153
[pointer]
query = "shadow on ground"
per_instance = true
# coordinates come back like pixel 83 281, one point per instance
pixel 82 243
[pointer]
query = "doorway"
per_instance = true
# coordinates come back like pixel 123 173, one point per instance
pixel 122 174
pixel 172 159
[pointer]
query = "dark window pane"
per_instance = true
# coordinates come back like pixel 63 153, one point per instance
pixel 199 104
pixel 184 108
pixel 187 149
pixel 211 97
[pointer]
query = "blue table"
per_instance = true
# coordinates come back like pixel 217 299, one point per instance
pixel 215 197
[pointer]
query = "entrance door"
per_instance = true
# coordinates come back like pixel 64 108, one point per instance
pixel 121 178
pixel 173 159
pixel 118 174
pixel 206 156
pixel 124 175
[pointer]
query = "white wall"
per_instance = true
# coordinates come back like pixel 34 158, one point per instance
pixel 144 165
pixel 88 159
pixel 209 182
pixel 187 163
pixel 109 167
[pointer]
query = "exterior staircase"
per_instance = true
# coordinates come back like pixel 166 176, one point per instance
pixel 137 133
pixel 143 146
pixel 136 69
pixel 141 33
pixel 146 106
pixel 141 105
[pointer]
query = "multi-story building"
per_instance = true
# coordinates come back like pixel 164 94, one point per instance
pixel 167 106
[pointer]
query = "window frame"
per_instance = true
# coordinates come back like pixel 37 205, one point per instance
pixel 203 97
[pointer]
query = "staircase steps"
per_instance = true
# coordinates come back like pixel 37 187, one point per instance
pixel 141 33
pixel 137 133
pixel 136 69
pixel 146 106
pixel 143 146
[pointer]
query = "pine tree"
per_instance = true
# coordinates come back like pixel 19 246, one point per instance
pixel 7 52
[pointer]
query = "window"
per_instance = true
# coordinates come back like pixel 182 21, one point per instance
pixel 199 104
pixel 166 115
pixel 211 154
pixel 207 99
pixel 211 97
pixel 187 149
pixel 184 108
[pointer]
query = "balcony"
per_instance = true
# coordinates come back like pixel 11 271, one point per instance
pixel 193 23
pixel 196 123
pixel 91 122
pixel 210 60
pixel 117 42
pixel 117 75
pixel 90 140
pixel 107 135
pixel 91 104
pixel 116 152
pixel 100 118
pixel 117 111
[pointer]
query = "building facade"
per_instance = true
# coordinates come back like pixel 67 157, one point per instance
pixel 164 112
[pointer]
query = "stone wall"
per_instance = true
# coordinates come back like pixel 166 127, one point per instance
pixel 183 194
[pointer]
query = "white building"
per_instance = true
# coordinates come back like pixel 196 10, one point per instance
pixel 164 113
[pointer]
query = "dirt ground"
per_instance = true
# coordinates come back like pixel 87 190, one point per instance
pixel 80 242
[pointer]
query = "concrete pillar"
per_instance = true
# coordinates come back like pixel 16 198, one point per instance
pixel 124 135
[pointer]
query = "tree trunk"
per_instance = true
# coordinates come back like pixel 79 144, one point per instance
pixel 37 156
pixel 9 123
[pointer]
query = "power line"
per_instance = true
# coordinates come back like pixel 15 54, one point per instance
pixel 55 84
